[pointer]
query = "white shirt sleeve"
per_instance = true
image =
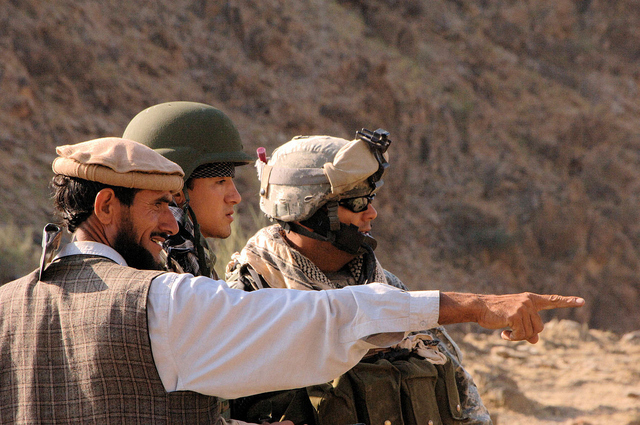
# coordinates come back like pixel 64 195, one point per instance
pixel 209 338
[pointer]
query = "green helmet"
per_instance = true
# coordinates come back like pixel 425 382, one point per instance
pixel 188 133
pixel 309 172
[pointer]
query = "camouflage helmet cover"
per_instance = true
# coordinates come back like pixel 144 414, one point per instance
pixel 307 172
pixel 188 133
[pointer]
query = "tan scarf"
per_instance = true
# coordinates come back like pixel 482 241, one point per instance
pixel 284 267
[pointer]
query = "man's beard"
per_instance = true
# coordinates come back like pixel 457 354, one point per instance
pixel 133 253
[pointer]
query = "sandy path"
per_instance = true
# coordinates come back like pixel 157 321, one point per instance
pixel 572 376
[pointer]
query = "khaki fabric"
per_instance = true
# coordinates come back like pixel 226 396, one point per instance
pixel 353 164
pixel 118 162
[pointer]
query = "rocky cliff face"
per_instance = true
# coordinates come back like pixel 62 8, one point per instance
pixel 515 125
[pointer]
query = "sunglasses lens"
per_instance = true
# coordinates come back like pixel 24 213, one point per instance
pixel 357 205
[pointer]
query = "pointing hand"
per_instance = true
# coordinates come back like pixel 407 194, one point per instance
pixel 518 312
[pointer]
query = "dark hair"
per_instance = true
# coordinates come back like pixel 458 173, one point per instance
pixel 74 198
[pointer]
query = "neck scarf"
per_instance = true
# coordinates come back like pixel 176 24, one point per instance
pixel 180 249
pixel 284 267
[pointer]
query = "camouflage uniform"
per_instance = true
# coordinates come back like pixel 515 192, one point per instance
pixel 303 185
pixel 269 246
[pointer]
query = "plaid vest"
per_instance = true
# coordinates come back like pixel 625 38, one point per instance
pixel 75 348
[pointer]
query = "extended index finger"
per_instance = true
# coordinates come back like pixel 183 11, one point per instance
pixel 548 302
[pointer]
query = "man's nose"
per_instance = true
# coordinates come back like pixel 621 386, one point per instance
pixel 169 224
pixel 233 196
pixel 371 213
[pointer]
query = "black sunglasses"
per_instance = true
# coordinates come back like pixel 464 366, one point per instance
pixel 358 204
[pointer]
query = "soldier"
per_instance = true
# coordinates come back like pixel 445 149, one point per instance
pixel 206 144
pixel 320 190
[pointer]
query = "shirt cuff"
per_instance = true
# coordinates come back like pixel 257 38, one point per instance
pixel 424 309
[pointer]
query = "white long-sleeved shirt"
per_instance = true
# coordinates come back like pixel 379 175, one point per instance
pixel 209 338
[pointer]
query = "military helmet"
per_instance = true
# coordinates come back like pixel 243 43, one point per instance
pixel 305 179
pixel 307 172
pixel 188 133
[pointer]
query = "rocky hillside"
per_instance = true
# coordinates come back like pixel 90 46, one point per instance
pixel 515 125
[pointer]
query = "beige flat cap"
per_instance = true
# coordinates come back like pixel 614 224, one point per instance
pixel 118 162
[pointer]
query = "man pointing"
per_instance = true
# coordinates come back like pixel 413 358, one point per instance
pixel 94 337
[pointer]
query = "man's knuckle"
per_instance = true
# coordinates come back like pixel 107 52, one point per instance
pixel 524 308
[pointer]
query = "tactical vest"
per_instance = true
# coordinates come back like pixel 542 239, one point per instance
pixel 75 348
pixel 406 390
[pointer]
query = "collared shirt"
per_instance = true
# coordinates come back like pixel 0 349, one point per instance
pixel 215 340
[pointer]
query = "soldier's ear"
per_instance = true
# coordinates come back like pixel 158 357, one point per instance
pixel 106 206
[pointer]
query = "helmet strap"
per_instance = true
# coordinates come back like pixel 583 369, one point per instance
pixel 291 226
pixel 368 266
pixel 346 238
pixel 202 262
pixel 351 240
pixel 332 213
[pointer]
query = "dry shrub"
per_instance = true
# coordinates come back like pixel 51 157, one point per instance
pixel 19 252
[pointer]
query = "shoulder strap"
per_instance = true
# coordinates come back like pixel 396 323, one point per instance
pixel 253 281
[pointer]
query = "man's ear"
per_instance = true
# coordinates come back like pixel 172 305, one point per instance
pixel 179 198
pixel 106 206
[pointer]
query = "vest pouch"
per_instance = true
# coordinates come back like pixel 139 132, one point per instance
pixel 333 402
pixel 376 388
pixel 420 391
pixel 447 374
pixel 430 393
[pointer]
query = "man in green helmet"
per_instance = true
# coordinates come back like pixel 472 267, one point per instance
pixel 206 144
pixel 319 189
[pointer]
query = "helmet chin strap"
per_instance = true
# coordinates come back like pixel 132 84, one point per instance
pixel 346 238
pixel 204 267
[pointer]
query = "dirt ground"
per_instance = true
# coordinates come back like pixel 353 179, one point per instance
pixel 572 376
